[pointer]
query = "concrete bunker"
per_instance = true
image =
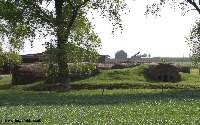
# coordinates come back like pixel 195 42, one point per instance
pixel 164 73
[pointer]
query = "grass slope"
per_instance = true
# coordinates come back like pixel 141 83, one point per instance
pixel 118 76
pixel 136 78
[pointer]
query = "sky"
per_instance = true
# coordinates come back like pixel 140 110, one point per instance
pixel 159 36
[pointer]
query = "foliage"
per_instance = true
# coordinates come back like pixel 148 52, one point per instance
pixel 77 58
pixel 11 58
pixel 66 22
pixel 121 55
pixel 1 57
pixel 194 43
pixel 184 5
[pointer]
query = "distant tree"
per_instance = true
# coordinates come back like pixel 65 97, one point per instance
pixel 194 43
pixel 144 55
pixel 149 55
pixel 121 55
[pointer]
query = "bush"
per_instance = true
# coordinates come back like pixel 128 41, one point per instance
pixel 184 69
pixel 28 73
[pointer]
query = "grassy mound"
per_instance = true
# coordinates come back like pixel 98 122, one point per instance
pixel 118 76
pixel 134 77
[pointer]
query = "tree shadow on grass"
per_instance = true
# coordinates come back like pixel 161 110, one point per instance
pixel 6 86
pixel 76 98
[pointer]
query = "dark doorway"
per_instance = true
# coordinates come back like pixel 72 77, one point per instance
pixel 159 78
pixel 171 78
pixel 165 78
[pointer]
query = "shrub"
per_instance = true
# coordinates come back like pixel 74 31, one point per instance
pixel 28 73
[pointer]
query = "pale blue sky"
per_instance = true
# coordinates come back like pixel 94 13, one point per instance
pixel 162 36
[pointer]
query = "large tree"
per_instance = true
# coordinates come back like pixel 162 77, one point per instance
pixel 64 20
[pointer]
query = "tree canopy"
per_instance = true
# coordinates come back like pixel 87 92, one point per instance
pixel 64 20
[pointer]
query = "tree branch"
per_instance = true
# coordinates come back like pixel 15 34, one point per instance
pixel 73 18
pixel 194 5
pixel 188 11
pixel 85 1
pixel 44 14
pixel 74 15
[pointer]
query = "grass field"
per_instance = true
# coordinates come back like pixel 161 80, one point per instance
pixel 117 106
pixel 133 106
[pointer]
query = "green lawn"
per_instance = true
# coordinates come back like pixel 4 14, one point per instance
pixel 132 106
pixel 117 106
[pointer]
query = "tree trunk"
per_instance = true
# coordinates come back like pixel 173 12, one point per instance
pixel 61 46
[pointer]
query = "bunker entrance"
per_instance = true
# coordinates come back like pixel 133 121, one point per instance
pixel 165 78
pixel 171 78
pixel 159 78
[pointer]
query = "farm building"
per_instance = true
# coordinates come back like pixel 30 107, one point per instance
pixel 164 73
